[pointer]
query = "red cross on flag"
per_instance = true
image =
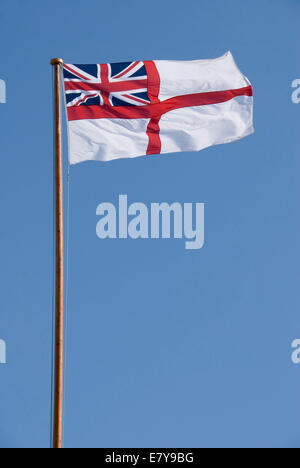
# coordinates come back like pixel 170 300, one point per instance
pixel 130 109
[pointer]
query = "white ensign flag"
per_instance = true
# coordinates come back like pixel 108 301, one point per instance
pixel 130 109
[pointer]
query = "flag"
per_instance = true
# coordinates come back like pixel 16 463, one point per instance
pixel 130 109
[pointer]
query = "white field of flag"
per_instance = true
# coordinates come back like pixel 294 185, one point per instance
pixel 169 107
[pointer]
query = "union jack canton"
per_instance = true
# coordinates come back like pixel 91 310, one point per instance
pixel 115 84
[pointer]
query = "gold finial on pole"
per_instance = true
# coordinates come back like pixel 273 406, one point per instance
pixel 56 61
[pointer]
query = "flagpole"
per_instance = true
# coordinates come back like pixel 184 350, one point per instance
pixel 58 360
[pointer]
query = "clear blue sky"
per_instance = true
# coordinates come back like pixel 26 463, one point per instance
pixel 166 347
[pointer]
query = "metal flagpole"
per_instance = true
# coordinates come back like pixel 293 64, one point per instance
pixel 58 360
